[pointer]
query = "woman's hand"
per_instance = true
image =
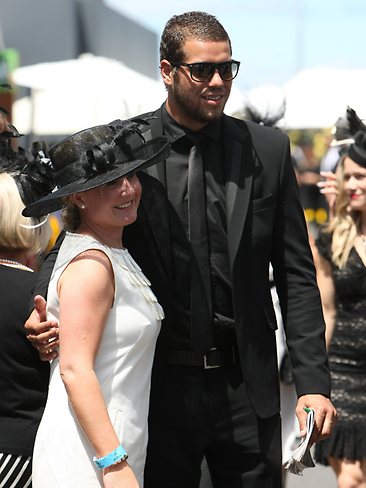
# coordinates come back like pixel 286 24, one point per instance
pixel 329 188
pixel 119 476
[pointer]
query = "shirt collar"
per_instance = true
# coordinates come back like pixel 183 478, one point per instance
pixel 174 131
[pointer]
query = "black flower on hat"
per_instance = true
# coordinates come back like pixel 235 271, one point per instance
pixel 35 178
pixel 102 158
pixel 32 173
pixel 98 160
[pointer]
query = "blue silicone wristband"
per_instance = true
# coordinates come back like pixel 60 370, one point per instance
pixel 114 457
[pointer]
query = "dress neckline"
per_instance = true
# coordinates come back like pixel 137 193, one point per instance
pixel 87 236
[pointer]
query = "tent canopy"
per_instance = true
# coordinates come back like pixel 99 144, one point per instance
pixel 316 97
pixel 67 96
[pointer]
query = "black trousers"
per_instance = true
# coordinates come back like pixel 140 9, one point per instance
pixel 206 413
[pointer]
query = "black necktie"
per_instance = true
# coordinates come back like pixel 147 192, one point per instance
pixel 201 302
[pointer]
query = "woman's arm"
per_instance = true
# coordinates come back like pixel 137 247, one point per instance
pixel 324 277
pixel 86 292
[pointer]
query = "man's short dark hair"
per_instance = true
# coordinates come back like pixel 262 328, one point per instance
pixel 190 25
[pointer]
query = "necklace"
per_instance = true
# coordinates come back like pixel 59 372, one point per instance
pixel 14 264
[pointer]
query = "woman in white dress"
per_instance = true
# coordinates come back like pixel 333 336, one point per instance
pixel 94 429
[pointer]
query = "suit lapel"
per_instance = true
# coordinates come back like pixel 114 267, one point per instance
pixel 155 221
pixel 158 171
pixel 154 202
pixel 239 165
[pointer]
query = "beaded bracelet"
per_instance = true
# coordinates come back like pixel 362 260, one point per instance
pixel 114 457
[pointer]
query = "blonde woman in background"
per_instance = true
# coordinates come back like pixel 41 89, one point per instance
pixel 23 377
pixel 341 271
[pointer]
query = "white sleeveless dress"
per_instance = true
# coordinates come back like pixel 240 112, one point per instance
pixel 62 454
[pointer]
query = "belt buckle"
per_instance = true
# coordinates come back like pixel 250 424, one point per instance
pixel 208 366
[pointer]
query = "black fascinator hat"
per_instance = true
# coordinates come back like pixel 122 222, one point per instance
pixel 35 178
pixel 346 128
pixel 8 155
pixel 357 150
pixel 31 172
pixel 96 156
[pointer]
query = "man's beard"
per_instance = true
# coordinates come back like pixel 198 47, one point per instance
pixel 191 110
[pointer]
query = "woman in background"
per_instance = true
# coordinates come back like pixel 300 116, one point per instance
pixel 23 377
pixel 341 271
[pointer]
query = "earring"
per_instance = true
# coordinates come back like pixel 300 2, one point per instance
pixel 82 206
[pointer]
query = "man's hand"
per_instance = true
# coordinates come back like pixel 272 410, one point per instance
pixel 42 333
pixel 325 415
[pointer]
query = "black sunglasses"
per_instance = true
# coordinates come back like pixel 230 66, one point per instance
pixel 204 71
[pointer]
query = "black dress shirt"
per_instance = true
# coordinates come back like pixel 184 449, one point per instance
pixel 177 188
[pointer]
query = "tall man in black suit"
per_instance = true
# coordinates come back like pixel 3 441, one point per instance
pixel 215 386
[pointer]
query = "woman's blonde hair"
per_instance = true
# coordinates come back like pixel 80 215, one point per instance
pixel 345 225
pixel 13 236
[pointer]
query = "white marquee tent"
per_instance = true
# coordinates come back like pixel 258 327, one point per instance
pixel 316 97
pixel 67 96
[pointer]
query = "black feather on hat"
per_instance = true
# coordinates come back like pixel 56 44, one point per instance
pixel 96 156
pixel 35 178
pixel 32 173
pixel 346 127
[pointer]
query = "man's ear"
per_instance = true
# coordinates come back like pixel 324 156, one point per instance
pixel 166 70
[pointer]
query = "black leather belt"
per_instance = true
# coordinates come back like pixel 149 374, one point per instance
pixel 215 358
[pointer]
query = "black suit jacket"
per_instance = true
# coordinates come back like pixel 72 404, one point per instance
pixel 265 223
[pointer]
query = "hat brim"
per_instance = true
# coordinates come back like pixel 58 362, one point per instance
pixel 150 153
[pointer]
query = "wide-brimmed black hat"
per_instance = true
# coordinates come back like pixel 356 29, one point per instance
pixel 96 156
pixel 357 150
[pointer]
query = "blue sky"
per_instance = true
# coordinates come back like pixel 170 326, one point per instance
pixel 273 38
